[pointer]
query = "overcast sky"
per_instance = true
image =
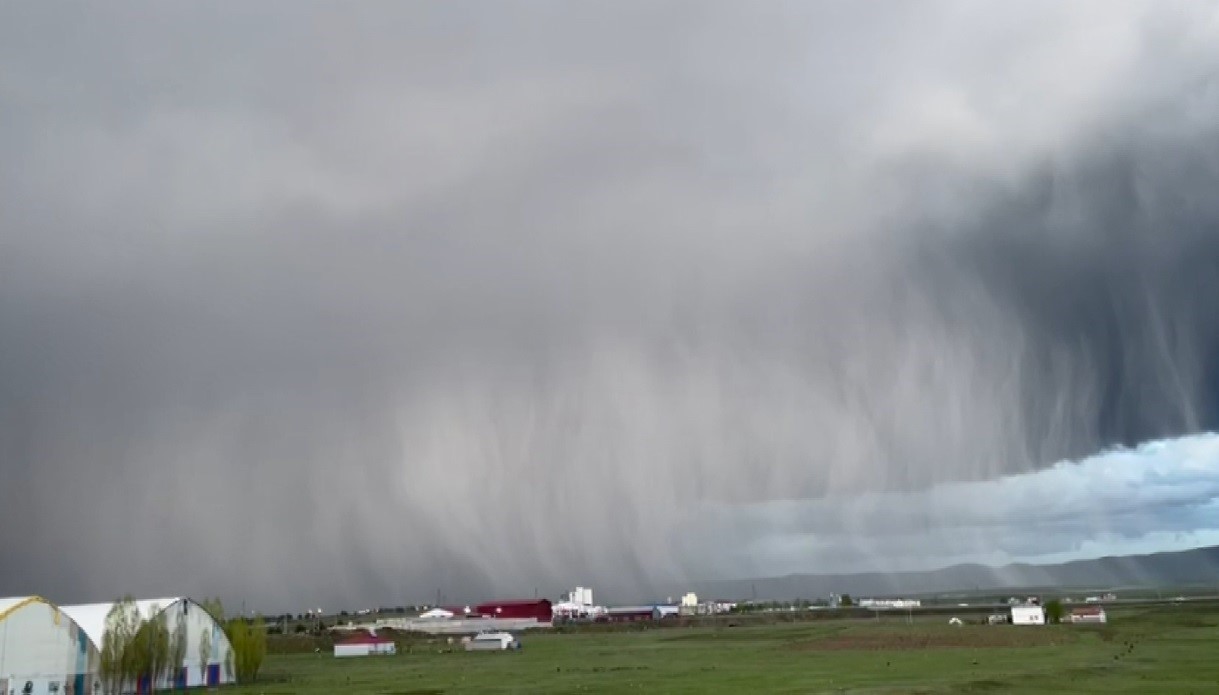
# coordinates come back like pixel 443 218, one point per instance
pixel 337 303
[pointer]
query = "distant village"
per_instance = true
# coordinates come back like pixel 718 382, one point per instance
pixel 500 619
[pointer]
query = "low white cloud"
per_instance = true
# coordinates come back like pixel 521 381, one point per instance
pixel 1163 495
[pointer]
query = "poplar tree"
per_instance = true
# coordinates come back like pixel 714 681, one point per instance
pixel 115 667
pixel 249 643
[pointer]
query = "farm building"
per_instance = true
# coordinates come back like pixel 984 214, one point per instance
pixel 1089 614
pixel 661 612
pixel 538 609
pixel 43 651
pixel 1028 615
pixel 207 659
pixel 364 643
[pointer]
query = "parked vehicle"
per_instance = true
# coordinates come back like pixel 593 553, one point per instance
pixel 492 641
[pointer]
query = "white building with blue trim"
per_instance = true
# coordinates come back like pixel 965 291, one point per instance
pixel 43 651
pixel 208 658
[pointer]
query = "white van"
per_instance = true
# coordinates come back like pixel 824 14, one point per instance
pixel 492 641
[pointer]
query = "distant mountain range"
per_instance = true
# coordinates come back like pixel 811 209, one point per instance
pixel 1185 568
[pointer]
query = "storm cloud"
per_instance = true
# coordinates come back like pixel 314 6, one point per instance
pixel 308 303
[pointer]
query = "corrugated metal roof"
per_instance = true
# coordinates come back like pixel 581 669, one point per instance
pixel 1088 610
pixel 91 617
pixel 630 609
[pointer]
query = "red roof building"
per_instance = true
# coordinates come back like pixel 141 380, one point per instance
pixel 1088 614
pixel 538 609
pixel 364 643
pixel 365 637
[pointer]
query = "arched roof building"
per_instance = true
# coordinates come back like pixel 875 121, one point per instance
pixel 208 652
pixel 43 651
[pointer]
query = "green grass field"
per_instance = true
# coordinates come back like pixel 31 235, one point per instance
pixel 1162 649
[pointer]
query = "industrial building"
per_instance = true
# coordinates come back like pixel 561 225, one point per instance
pixel 627 614
pixel 538 609
pixel 634 614
pixel 581 596
pixel 207 659
pixel 43 651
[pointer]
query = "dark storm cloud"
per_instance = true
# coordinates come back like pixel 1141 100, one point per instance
pixel 301 304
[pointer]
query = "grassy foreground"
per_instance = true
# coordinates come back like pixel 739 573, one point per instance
pixel 1167 649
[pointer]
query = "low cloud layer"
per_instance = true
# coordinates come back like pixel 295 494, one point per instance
pixel 308 305
pixel 1160 496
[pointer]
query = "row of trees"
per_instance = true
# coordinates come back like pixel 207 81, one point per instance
pixel 152 650
pixel 135 648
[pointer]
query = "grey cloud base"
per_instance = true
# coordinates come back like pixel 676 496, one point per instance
pixel 496 299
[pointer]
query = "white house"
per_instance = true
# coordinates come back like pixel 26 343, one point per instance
pixel 1028 615
pixel 1089 614
pixel 42 650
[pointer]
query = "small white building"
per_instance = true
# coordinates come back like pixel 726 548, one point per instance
pixel 1028 615
pixel 365 644
pixel 42 650
pixel 1089 614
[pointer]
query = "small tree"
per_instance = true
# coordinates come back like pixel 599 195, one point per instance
pixel 249 643
pixel 215 608
pixel 1054 611
pixel 116 667
pixel 150 653
pixel 177 644
pixel 846 602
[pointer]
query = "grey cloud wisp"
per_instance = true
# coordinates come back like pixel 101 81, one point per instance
pixel 308 305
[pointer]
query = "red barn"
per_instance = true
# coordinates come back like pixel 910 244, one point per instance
pixel 537 608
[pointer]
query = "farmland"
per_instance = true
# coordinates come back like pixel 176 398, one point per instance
pixel 1163 649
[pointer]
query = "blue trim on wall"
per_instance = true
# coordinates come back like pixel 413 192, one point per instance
pixel 82 661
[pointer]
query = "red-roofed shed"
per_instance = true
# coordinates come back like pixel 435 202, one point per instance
pixel 363 644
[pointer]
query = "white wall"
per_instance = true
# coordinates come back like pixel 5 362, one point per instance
pixel 351 649
pixel 364 649
pixel 200 628
pixel 1028 615
pixel 40 645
